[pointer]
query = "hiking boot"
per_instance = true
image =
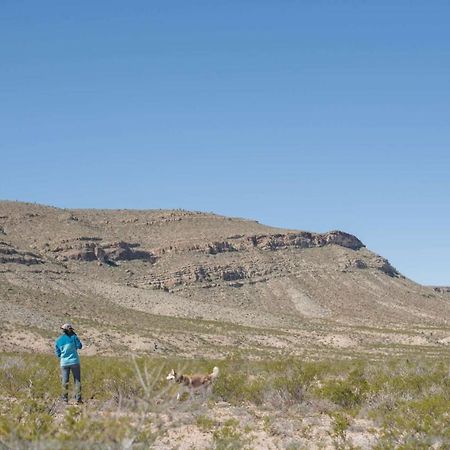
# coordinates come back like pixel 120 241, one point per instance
pixel 80 402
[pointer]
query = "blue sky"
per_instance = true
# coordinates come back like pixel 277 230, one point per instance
pixel 312 115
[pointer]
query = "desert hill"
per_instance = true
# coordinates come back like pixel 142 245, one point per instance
pixel 186 282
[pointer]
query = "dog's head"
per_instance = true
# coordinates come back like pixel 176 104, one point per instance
pixel 172 375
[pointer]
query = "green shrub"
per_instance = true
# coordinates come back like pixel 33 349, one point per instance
pixel 348 392
pixel 422 422
pixel 340 425
pixel 27 420
pixel 204 423
pixel 237 385
pixel 230 437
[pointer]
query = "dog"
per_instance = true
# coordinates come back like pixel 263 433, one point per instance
pixel 192 383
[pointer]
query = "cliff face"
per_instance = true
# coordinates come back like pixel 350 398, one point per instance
pixel 196 265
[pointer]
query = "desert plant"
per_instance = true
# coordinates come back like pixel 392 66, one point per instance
pixel 230 437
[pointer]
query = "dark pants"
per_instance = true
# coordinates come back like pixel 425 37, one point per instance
pixel 65 374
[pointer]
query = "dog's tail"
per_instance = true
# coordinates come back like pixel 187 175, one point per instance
pixel 215 373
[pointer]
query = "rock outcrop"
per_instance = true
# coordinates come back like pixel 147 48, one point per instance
pixel 92 249
pixel 214 248
pixel 385 266
pixel 306 240
pixel 9 254
pixel 442 289
pixel 268 242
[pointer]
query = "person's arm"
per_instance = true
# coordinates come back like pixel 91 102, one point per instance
pixel 78 343
pixel 57 350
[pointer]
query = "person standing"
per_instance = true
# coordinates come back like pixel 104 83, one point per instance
pixel 66 347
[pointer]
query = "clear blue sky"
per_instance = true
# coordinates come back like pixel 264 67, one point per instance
pixel 312 114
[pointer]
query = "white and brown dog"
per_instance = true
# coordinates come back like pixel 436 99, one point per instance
pixel 192 383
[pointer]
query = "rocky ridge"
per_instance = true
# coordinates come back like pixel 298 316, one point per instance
pixel 96 249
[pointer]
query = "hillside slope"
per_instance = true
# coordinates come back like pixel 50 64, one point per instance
pixel 156 280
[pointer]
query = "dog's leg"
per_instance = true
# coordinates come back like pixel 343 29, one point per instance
pixel 204 392
pixel 180 393
pixel 208 390
pixel 182 390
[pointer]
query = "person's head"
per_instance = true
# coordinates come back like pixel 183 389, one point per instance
pixel 67 328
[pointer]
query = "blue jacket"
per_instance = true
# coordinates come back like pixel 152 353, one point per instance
pixel 66 349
